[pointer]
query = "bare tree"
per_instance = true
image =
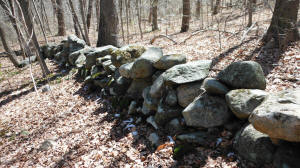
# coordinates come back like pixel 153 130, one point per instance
pixel 76 20
pixel 138 11
pixel 89 14
pixel 108 27
pixel 216 7
pixel 11 54
pixel 60 18
pixel 250 10
pixel 121 18
pixel 83 17
pixel 186 15
pixel 154 15
pixel 283 27
pixel 198 9
pixel 25 7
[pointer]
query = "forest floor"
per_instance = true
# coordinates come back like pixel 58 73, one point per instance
pixel 70 127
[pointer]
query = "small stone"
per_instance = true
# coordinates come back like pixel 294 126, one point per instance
pixel 165 113
pixel 46 89
pixel 125 70
pixel 174 126
pixel 151 121
pixel 132 108
pixel 213 86
pixel 199 138
pixel 171 98
pixel 154 139
pixel 47 144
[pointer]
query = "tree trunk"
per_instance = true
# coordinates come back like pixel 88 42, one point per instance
pixel 121 18
pixel 186 15
pixel 76 20
pixel 198 9
pixel 98 13
pixel 250 10
pixel 127 19
pixel 150 12
pixel 154 15
pixel 216 7
pixel 89 14
pixel 60 18
pixel 138 11
pixel 83 16
pixel 11 54
pixel 283 27
pixel 108 27
pixel 25 6
pixel 54 9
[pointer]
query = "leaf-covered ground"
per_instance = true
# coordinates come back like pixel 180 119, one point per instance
pixel 71 127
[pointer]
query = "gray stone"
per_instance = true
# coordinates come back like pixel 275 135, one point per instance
pixel 279 115
pixel 109 67
pixel 134 50
pixel 213 86
pixel 151 121
pixel 125 69
pixel 97 53
pixel 168 61
pixel 242 102
pixel 199 138
pixel 74 43
pixel 74 55
pixel 174 126
pixel 243 75
pixel 166 113
pixel 100 60
pixel 121 85
pixel 149 104
pixel 287 156
pixel 143 66
pixel 27 61
pixel 137 86
pixel 188 92
pixel 156 75
pixel 132 108
pixel 49 50
pixel 80 61
pixel 188 72
pixel 171 98
pixel 207 111
pixel 154 139
pixel 158 87
pixel 46 89
pixel 254 146
pixel 46 145
pixel 102 83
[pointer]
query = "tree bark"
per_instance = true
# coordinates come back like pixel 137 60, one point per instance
pixel 216 7
pixel 198 9
pixel 250 10
pixel 138 11
pixel 154 15
pixel 25 6
pixel 121 18
pixel 108 27
pixel 83 16
pixel 89 14
pixel 11 54
pixel 283 27
pixel 186 15
pixel 76 20
pixel 60 18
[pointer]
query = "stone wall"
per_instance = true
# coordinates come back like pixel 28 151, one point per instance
pixel 172 94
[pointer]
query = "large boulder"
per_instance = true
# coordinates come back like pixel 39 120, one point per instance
pixel 143 66
pixel 97 53
pixel 166 113
pixel 279 116
pixel 188 72
pixel 254 146
pixel 188 92
pixel 137 86
pixel 242 102
pixel 207 111
pixel 213 86
pixel 126 54
pixel 168 61
pixel 125 69
pixel 243 75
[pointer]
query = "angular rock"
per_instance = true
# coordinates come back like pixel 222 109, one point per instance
pixel 213 86
pixel 168 61
pixel 143 66
pixel 188 92
pixel 154 139
pixel 102 83
pixel 149 104
pixel 279 116
pixel 74 55
pixel 80 61
pixel 137 86
pixel 166 113
pixel 125 70
pixel 74 43
pixel 109 67
pixel 199 138
pixel 171 98
pixel 188 72
pixel 132 108
pixel 207 111
pixel 100 60
pixel 254 146
pixel 158 87
pixel 243 75
pixel 126 54
pixel 134 50
pixel 174 126
pixel 242 102
pixel 49 50
pixel 151 121
pixel 121 85
pixel 156 75
pixel 97 53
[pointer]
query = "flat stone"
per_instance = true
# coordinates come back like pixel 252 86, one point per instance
pixel 213 86
pixel 168 61
pixel 188 92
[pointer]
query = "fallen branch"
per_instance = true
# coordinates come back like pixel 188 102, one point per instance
pixel 162 36
pixel 248 30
